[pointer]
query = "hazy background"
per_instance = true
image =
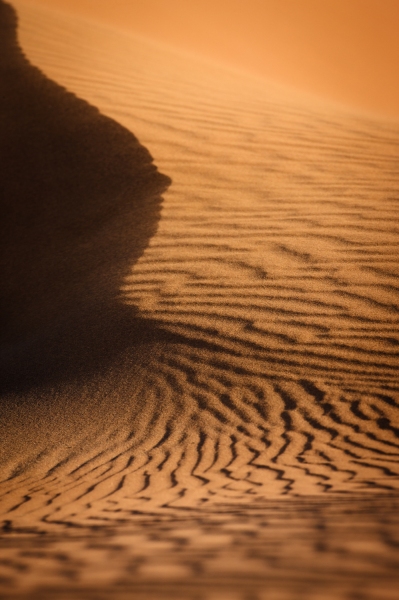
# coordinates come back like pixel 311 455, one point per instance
pixel 344 50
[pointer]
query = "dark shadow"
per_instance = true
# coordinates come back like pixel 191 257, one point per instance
pixel 80 200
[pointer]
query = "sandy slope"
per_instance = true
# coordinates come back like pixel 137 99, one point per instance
pixel 254 383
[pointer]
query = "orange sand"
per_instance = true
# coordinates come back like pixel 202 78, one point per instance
pixel 343 50
pixel 224 425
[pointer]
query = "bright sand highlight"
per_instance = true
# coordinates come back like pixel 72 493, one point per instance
pixel 345 51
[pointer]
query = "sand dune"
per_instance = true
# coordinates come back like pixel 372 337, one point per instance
pixel 226 422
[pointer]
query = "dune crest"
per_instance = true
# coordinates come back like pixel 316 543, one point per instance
pixel 80 202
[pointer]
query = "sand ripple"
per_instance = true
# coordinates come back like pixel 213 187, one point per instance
pixel 246 446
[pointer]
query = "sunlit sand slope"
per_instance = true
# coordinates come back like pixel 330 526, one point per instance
pixel 250 431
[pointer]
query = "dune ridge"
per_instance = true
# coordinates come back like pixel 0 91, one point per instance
pixel 251 429
pixel 80 201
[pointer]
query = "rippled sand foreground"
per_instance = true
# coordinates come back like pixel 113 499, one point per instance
pixel 214 413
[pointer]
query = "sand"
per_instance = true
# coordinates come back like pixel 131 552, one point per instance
pixel 347 51
pixel 200 394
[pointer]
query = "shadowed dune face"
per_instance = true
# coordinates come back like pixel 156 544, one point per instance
pixel 80 201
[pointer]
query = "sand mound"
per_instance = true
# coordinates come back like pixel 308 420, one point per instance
pixel 257 379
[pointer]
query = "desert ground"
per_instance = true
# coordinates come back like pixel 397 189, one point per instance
pixel 200 392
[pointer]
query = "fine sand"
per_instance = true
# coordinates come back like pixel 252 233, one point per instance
pixel 200 392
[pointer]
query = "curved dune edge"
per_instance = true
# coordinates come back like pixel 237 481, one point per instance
pixel 80 200
pixel 264 388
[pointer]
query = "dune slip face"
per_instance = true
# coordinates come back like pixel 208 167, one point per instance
pixel 80 200
pixel 200 402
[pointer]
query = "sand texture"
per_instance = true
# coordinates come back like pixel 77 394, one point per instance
pixel 200 392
